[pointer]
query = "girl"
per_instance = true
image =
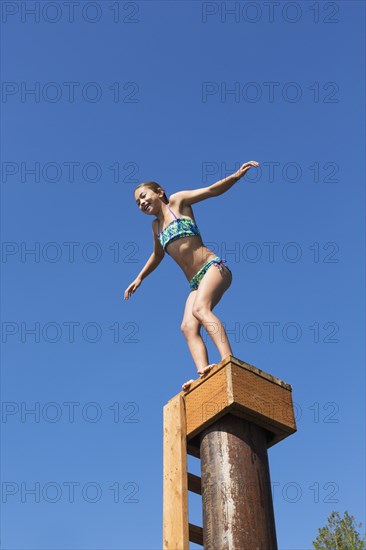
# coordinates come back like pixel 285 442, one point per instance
pixel 175 232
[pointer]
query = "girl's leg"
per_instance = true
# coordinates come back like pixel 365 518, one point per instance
pixel 191 329
pixel 209 293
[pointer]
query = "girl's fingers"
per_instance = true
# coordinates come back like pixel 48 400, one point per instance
pixel 129 291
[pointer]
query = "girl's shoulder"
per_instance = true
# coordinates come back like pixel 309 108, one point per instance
pixel 179 207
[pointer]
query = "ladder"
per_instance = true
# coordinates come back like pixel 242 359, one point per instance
pixel 177 481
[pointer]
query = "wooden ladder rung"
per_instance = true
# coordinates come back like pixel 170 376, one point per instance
pixel 193 450
pixel 194 484
pixel 195 534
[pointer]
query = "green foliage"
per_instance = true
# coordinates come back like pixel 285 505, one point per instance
pixel 340 534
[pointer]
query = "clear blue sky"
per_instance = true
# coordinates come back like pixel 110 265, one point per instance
pixel 125 92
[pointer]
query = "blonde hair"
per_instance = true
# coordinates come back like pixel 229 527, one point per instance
pixel 155 187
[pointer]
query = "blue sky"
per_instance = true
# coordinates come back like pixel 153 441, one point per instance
pixel 126 92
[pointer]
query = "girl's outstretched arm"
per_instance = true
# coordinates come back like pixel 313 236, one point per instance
pixel 151 264
pixel 197 195
pixel 223 185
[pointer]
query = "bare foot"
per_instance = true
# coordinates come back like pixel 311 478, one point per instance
pixel 202 373
pixel 206 369
pixel 186 385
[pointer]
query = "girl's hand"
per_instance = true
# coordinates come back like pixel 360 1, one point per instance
pixel 132 288
pixel 243 169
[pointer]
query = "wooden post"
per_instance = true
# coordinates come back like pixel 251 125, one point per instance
pixel 236 491
pixel 175 483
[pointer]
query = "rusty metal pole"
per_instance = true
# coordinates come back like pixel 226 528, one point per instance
pixel 236 489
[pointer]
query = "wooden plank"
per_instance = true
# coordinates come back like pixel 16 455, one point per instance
pixel 193 449
pixel 270 402
pixel 194 484
pixel 175 478
pixel 193 443
pixel 206 400
pixel 196 534
pixel 242 389
pixel 259 372
pixel 230 359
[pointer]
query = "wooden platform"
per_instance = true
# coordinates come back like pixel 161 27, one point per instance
pixel 238 388
pixel 231 387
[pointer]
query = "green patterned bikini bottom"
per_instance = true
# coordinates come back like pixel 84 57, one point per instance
pixel 195 281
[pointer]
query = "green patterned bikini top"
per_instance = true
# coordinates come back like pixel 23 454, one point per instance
pixel 178 228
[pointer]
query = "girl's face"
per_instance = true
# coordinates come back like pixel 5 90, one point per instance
pixel 147 200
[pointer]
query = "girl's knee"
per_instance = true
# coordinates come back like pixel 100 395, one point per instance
pixel 190 328
pixel 200 311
